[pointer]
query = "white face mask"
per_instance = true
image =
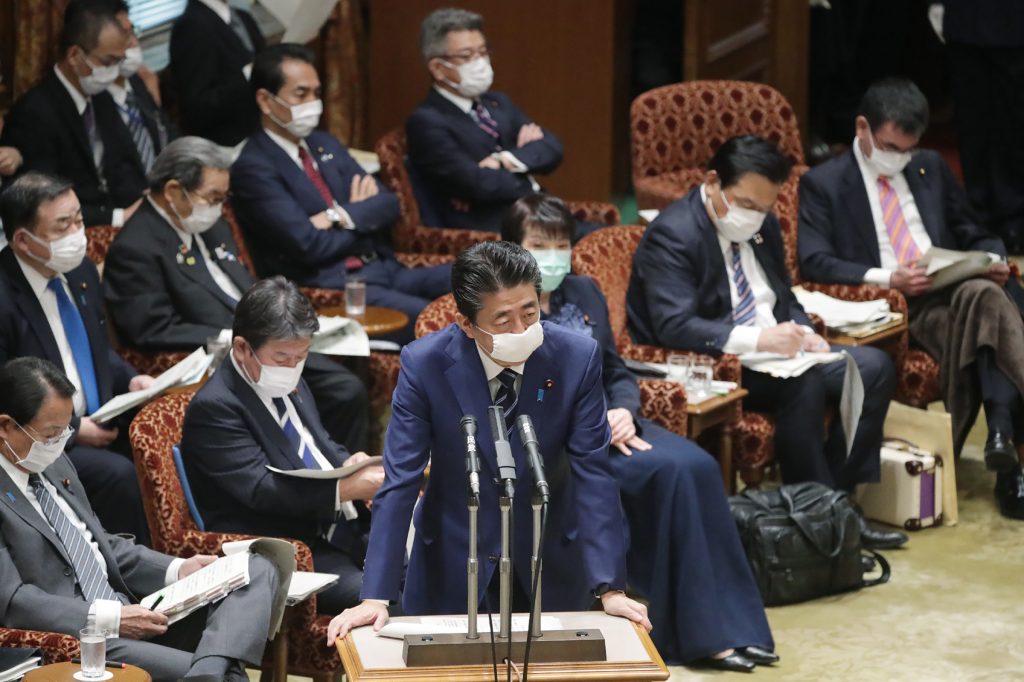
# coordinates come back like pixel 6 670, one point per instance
pixel 132 62
pixel 42 453
pixel 101 78
pixel 475 77
pixel 276 382
pixel 515 349
pixel 739 224
pixel 305 117
pixel 66 253
pixel 202 217
pixel 889 164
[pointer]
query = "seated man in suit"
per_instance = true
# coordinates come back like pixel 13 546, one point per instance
pixel 309 211
pixel 474 149
pixel 173 279
pixel 51 306
pixel 257 412
pixel 60 570
pixel 868 215
pixel 212 48
pixel 498 351
pixel 69 124
pixel 709 276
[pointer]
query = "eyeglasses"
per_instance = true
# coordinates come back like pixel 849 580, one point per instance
pixel 48 442
pixel 467 56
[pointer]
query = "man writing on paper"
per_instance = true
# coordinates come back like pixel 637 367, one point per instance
pixel 61 571
pixel 51 306
pixel 256 411
pixel 497 353
pixel 710 276
pixel 868 215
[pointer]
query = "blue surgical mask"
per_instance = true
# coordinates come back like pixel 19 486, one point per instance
pixel 554 265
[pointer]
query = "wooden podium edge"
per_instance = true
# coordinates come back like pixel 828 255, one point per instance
pixel 604 671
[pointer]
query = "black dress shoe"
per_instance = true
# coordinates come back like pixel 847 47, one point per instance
pixel 867 563
pixel 1000 455
pixel 872 538
pixel 734 663
pixel 758 655
pixel 1010 494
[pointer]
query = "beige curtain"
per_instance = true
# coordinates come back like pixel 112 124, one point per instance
pixel 342 51
pixel 37 28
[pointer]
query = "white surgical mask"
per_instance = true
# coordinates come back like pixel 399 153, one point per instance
pixel 305 117
pixel 739 224
pixel 42 453
pixel 554 265
pixel 101 78
pixel 515 349
pixel 475 77
pixel 276 382
pixel 202 217
pixel 132 62
pixel 66 253
pixel 887 163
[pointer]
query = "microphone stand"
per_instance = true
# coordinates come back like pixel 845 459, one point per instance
pixel 468 424
pixel 507 476
pixel 537 565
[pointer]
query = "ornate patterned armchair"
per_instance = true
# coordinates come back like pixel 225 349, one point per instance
pixel 55 647
pixel 153 434
pixel 661 401
pixel 410 235
pixel 677 128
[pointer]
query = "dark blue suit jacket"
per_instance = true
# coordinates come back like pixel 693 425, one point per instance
pixel 679 289
pixel 229 438
pixel 445 149
pixel 837 239
pixel 442 379
pixel 24 330
pixel 274 200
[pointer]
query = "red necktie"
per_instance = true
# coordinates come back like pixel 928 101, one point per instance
pixel 314 176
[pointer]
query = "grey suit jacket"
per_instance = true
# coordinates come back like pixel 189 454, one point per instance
pixel 38 588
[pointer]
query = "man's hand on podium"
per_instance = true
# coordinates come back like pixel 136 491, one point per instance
pixel 370 611
pixel 618 604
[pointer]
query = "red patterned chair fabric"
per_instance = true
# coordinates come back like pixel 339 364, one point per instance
pixel 411 235
pixel 55 647
pixel 98 241
pixel 660 401
pixel 153 433
pixel 679 127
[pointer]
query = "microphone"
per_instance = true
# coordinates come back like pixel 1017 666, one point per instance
pixel 528 437
pixel 503 450
pixel 468 424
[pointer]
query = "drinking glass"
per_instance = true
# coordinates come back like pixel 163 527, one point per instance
pixel 699 382
pixel 355 297
pixel 93 645
pixel 678 367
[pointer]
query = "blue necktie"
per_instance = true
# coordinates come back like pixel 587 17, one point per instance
pixel 138 130
pixel 292 434
pixel 78 339
pixel 506 397
pixel 744 312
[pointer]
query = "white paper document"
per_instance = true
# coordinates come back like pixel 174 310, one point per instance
pixel 340 336
pixel 328 474
pixel 946 266
pixel 432 625
pixel 189 370
pixel 838 313
pixel 306 583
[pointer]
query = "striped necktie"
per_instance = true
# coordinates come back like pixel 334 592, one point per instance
pixel 95 143
pixel 745 311
pixel 486 123
pixel 139 132
pixel 506 397
pixel 892 215
pixel 299 446
pixel 78 339
pixel 90 576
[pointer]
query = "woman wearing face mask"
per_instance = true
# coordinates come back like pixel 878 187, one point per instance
pixel 685 557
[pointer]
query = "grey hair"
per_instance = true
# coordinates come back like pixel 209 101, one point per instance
pixel 184 160
pixel 274 309
pixel 440 23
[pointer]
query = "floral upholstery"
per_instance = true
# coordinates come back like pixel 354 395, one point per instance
pixel 55 647
pixel 680 126
pixel 382 380
pixel 153 434
pixel 98 241
pixel 423 260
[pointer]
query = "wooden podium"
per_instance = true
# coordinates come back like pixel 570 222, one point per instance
pixel 631 655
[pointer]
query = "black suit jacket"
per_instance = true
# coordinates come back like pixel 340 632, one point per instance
pixel 156 299
pixel 47 129
pixel 986 23
pixel 207 58
pixel 229 438
pixel 837 239
pixel 445 149
pixel 679 288
pixel 24 330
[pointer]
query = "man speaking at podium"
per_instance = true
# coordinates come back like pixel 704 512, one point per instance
pixel 498 353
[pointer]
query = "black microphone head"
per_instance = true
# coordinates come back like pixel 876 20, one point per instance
pixel 468 424
pixel 525 426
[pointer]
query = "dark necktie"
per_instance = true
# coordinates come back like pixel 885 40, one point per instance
pixel 95 144
pixel 506 397
pixel 78 339
pixel 352 263
pixel 90 576
pixel 745 311
pixel 486 123
pixel 299 446
pixel 139 132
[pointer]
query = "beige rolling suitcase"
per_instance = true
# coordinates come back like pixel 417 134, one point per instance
pixel 909 494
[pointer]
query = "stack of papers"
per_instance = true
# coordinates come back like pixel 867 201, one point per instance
pixel 340 336
pixel 839 314
pixel 188 371
pixel 946 266
pixel 784 367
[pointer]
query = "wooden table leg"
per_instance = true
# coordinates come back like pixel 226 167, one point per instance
pixel 280 645
pixel 725 452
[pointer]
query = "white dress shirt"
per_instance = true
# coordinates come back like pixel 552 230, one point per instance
pixel 493 369
pixel 743 338
pixel 221 8
pixel 103 613
pixel 292 150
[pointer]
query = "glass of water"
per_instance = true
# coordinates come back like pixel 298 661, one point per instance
pixel 678 367
pixel 93 644
pixel 701 373
pixel 355 296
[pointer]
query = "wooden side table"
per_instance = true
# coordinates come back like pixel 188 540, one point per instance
pixel 64 672
pixel 721 411
pixel 377 321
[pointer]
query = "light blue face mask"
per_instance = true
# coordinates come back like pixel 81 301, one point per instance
pixel 554 266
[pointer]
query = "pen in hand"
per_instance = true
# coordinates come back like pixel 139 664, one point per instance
pixel 156 602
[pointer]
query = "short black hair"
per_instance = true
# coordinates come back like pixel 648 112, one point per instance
pixel 898 100
pixel 487 268
pixel 27 381
pixel 84 20
pixel 543 211
pixel 266 66
pixel 20 202
pixel 749 154
pixel 274 308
